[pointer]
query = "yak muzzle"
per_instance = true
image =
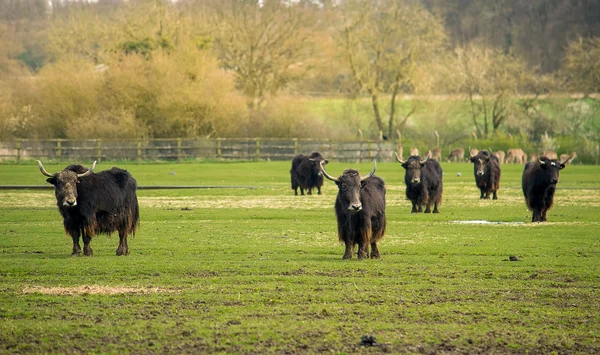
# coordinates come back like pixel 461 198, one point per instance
pixel 554 181
pixel 355 207
pixel 480 172
pixel 70 203
pixel 415 180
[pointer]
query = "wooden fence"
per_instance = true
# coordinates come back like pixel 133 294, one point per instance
pixel 191 149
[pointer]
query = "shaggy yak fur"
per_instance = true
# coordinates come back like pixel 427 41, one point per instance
pixel 539 184
pixel 486 169
pixel 92 203
pixel 360 212
pixel 306 173
pixel 423 181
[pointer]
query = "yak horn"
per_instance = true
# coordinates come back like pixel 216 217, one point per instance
pixel 327 175
pixel 541 162
pixel 423 161
pixel 398 158
pixel 88 172
pixel 363 178
pixel 44 172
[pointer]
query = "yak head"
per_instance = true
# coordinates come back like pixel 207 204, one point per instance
pixel 480 162
pixel 413 169
pixel 349 185
pixel 551 168
pixel 65 182
pixel 316 160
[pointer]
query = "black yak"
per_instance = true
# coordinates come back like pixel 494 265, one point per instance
pixel 360 211
pixel 486 168
pixel 423 179
pixel 539 184
pixel 306 173
pixel 92 203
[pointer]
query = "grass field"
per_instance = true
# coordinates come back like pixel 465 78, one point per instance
pixel 261 271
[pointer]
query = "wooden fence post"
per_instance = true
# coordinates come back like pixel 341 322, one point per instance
pixel 58 149
pixel 219 149
pixel 258 149
pixel 295 146
pixel 19 150
pixel 139 151
pixel 99 149
pixel 179 150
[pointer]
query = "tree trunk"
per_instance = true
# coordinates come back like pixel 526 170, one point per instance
pixel 375 103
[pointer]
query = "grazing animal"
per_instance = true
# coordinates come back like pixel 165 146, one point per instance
pixel 550 155
pixel 568 158
pixel 306 173
pixel 423 179
pixel 414 151
pixel 360 211
pixel 534 157
pixel 473 151
pixel 92 203
pixel 539 184
pixel 435 154
pixel 457 155
pixel 486 169
pixel 515 156
pixel 500 155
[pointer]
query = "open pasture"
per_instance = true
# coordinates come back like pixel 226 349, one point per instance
pixel 260 270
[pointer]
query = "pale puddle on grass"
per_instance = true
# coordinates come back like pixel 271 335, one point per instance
pixel 482 221
pixel 95 290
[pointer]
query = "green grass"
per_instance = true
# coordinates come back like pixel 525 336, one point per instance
pixel 260 270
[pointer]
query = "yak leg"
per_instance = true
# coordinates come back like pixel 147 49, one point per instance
pixel 536 216
pixel 428 208
pixel 481 195
pixel 295 186
pixel 318 190
pixel 309 191
pixel 363 250
pixel 374 251
pixel 87 249
pixel 76 247
pixel 495 195
pixel 122 249
pixel 435 209
pixel 414 207
pixel 301 191
pixel 420 209
pixel 349 247
pixel 543 215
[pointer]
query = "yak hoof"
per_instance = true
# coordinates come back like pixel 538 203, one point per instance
pixel 122 252
pixel 347 257
pixel 88 252
pixel 76 253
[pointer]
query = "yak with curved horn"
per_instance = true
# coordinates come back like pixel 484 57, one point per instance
pixel 539 182
pixel 92 203
pixel 423 179
pixel 360 211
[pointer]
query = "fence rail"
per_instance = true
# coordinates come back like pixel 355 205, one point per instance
pixel 191 149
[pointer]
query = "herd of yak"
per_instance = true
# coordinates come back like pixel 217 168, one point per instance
pixel 104 202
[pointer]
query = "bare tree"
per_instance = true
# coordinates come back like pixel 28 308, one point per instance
pixel 383 42
pixel 581 67
pixel 264 43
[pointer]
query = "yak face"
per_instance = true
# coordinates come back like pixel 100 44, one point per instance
pixel 551 168
pixel 65 187
pixel 413 170
pixel 65 182
pixel 349 186
pixel 315 166
pixel 480 163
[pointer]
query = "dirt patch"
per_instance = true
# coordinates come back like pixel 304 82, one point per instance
pixel 95 290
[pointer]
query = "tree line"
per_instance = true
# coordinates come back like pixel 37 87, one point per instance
pixel 207 68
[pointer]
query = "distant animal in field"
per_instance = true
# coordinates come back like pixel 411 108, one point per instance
pixel 486 169
pixel 515 156
pixel 568 158
pixel 92 203
pixel 456 155
pixel 534 157
pixel 550 155
pixel 360 211
pixel 423 179
pixel 500 155
pixel 473 152
pixel 414 151
pixel 539 185
pixel 306 173
pixel 435 154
